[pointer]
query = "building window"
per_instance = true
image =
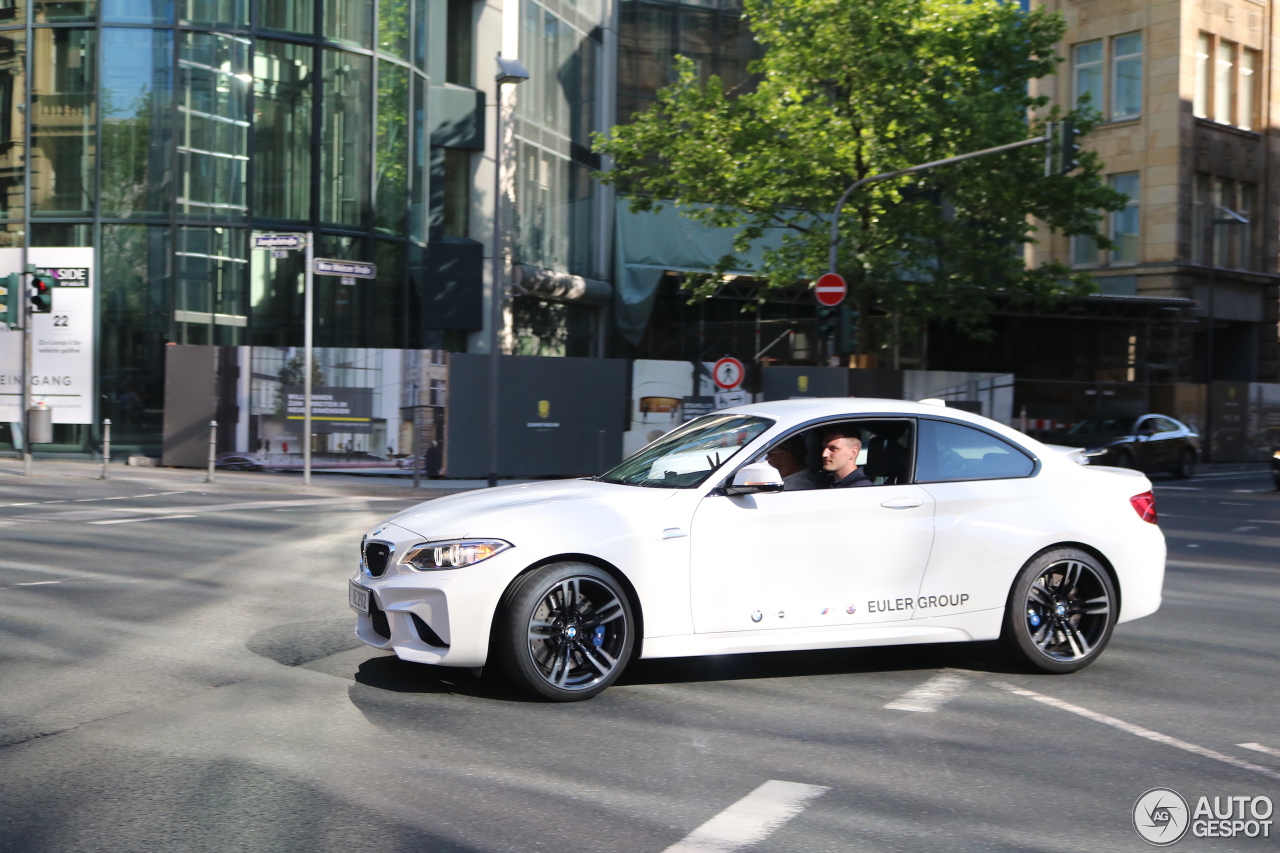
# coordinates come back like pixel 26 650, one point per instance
pixel 1126 76
pixel 1088 74
pixel 458 49
pixel 1246 109
pixel 1214 199
pixel 1224 82
pixel 1125 222
pixel 1084 251
pixel 1200 102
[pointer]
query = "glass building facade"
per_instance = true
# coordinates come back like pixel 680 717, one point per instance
pixel 165 133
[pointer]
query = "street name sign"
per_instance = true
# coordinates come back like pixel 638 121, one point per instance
pixel 279 241
pixel 830 290
pixel 326 266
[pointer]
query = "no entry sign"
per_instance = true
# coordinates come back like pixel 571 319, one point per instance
pixel 728 373
pixel 830 290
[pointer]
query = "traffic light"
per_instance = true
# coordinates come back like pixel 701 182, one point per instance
pixel 828 322
pixel 1068 147
pixel 10 287
pixel 41 293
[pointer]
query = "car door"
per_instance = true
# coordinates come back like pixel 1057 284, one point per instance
pixel 989 513
pixel 1146 447
pixel 1167 444
pixel 801 559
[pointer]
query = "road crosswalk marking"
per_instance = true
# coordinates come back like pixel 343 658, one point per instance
pixel 750 819
pixel 930 696
pixel 1257 747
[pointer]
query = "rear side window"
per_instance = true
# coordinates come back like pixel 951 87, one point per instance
pixel 949 452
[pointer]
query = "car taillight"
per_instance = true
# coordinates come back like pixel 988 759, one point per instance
pixel 1145 506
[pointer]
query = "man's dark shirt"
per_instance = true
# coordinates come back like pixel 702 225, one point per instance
pixel 857 477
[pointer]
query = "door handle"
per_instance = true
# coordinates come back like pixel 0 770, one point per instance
pixel 902 503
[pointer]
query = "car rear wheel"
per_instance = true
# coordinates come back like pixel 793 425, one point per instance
pixel 1186 465
pixel 567 632
pixel 1061 612
pixel 1124 459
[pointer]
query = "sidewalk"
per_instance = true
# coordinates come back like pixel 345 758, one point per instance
pixel 58 472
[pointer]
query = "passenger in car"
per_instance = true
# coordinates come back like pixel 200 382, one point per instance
pixel 840 449
pixel 788 458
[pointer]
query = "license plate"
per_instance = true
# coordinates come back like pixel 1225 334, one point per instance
pixel 358 597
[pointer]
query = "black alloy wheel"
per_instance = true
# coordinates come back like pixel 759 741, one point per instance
pixel 1061 611
pixel 568 632
pixel 1186 464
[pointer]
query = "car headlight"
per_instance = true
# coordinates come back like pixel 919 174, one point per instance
pixel 1275 454
pixel 453 554
pixel 1094 454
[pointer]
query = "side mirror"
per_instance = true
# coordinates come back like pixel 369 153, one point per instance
pixel 756 477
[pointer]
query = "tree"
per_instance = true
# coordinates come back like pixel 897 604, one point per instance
pixel 852 88
pixel 294 372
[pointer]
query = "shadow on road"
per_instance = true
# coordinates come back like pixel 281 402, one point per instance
pixel 389 673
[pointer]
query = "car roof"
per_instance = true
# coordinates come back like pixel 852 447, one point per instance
pixel 820 407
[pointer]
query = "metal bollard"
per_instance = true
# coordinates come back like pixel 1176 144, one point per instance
pixel 106 446
pixel 213 449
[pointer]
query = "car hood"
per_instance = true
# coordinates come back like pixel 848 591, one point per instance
pixel 476 512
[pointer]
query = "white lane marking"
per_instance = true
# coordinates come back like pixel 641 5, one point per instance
pixel 36 583
pixel 1249 491
pixel 29 503
pixel 750 819
pixel 1263 520
pixel 1179 488
pixel 1257 747
pixel 1246 528
pixel 144 518
pixel 1232 503
pixel 931 695
pixel 63 502
pixel 1138 730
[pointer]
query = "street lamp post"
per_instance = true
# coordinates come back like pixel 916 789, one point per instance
pixel 509 71
pixel 1231 218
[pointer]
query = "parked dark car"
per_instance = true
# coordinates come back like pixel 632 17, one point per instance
pixel 1275 466
pixel 1147 443
pixel 238 463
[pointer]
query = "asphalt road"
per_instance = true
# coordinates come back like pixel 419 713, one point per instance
pixel 177 673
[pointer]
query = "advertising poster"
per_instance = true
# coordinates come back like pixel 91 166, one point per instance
pixel 62 351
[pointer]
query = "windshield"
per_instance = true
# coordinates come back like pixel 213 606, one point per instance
pixel 1104 426
pixel 687 456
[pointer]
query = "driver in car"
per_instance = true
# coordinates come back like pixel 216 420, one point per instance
pixel 840 449
pixel 788 458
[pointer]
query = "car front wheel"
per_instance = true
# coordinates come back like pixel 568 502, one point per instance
pixel 567 632
pixel 1061 612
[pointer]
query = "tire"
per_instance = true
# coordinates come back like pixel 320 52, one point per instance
pixel 567 632
pixel 1061 612
pixel 1186 465
pixel 1124 459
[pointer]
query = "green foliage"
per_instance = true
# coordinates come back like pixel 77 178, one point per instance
pixel 294 372
pixel 852 88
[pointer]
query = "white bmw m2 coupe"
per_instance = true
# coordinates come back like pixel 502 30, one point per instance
pixel 941 526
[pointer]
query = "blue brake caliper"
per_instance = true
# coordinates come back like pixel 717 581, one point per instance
pixel 597 637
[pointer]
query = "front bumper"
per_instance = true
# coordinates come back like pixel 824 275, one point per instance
pixel 442 617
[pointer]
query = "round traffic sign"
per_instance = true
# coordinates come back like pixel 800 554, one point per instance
pixel 728 373
pixel 830 290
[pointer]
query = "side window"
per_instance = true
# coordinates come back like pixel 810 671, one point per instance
pixel 1165 425
pixel 883 455
pixel 950 452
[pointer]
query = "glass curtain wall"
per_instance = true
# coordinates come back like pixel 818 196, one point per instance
pixel 555 114
pixel 165 133
pixel 652 32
